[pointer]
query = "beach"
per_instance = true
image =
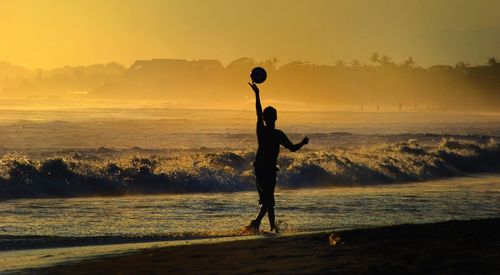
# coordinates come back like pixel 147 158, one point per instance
pixel 452 247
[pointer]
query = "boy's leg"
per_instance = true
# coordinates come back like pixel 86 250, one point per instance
pixel 266 183
pixel 270 210
pixel 262 213
pixel 255 224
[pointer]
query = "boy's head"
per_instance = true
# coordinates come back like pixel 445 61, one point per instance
pixel 270 116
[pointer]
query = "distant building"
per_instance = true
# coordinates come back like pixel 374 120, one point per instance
pixel 177 66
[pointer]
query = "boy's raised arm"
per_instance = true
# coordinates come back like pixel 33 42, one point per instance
pixel 258 106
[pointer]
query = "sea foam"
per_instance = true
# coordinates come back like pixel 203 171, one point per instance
pixel 106 172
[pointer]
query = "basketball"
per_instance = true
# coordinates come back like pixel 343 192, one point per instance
pixel 258 75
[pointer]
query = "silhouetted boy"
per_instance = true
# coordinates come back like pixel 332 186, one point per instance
pixel 269 140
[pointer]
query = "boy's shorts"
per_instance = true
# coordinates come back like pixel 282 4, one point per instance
pixel 266 182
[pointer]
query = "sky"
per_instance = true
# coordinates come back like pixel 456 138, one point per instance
pixel 53 33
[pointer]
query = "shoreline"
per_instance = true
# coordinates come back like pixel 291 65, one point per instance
pixel 471 246
pixel 491 174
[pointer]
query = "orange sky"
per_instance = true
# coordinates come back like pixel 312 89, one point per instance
pixel 52 33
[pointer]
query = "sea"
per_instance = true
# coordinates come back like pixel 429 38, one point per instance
pixel 86 182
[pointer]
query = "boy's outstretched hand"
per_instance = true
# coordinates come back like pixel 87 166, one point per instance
pixel 305 141
pixel 254 87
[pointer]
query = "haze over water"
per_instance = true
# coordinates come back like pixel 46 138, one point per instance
pixel 166 128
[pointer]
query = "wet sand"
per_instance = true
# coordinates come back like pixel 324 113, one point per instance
pixel 454 247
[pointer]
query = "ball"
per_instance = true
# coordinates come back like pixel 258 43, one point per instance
pixel 258 75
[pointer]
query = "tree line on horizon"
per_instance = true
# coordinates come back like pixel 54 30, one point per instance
pixel 381 82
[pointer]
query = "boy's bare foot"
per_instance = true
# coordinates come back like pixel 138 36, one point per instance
pixel 253 226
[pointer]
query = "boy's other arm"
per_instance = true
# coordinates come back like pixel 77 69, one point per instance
pixel 293 147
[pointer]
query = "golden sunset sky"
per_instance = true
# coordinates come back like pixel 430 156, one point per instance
pixel 53 33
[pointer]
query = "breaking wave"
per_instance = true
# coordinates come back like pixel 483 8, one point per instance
pixel 106 172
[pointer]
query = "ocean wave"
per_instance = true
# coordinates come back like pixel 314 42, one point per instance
pixel 109 172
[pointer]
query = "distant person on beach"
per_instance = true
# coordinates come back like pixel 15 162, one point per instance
pixel 269 139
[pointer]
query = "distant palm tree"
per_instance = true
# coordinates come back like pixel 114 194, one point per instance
pixel 340 63
pixel 462 66
pixel 375 58
pixel 355 63
pixel 410 63
pixel 386 61
pixel 492 62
